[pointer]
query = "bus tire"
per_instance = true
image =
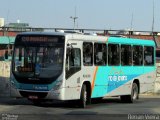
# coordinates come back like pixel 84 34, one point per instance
pixel 83 97
pixel 134 94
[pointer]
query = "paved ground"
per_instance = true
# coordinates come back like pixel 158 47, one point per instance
pixel 4 86
pixel 110 108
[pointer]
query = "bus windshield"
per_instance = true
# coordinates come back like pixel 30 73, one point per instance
pixel 37 59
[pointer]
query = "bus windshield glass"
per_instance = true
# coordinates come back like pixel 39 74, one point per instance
pixel 40 57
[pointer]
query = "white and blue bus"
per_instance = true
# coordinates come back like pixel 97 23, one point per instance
pixel 61 66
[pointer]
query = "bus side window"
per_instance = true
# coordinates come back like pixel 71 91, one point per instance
pixel 87 54
pixel 148 56
pixel 113 54
pixel 137 55
pixel 73 61
pixel 75 57
pixel 126 55
pixel 100 54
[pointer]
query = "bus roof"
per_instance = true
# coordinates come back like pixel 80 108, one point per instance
pixel 71 36
pixel 107 39
pixel 41 33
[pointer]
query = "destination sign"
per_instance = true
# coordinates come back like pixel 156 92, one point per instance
pixel 39 39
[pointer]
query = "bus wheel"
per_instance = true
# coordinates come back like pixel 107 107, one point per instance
pixel 134 95
pixel 83 98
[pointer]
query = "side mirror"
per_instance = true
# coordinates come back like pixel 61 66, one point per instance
pixel 6 54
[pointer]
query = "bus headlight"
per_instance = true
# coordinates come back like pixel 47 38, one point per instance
pixel 57 85
pixel 13 84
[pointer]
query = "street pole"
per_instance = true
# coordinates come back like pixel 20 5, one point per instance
pixel 74 19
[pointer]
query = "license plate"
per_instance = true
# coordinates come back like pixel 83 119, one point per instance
pixel 33 97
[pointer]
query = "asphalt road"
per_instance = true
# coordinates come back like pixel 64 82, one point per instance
pixel 147 107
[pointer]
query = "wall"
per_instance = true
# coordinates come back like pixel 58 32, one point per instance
pixel 4 78
pixel 157 81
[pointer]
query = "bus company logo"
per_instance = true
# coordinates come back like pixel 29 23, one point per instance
pixel 86 76
pixel 117 78
pixel 40 87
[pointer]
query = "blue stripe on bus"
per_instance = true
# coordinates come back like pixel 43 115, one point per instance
pixel 131 41
pixel 110 78
pixel 34 87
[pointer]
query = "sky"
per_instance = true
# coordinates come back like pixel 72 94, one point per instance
pixel 92 14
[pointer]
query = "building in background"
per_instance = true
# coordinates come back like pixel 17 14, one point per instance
pixel 17 26
pixel 1 22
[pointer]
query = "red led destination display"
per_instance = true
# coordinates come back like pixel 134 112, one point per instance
pixel 39 39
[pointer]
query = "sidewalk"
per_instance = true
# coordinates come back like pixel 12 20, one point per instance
pixel 150 95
